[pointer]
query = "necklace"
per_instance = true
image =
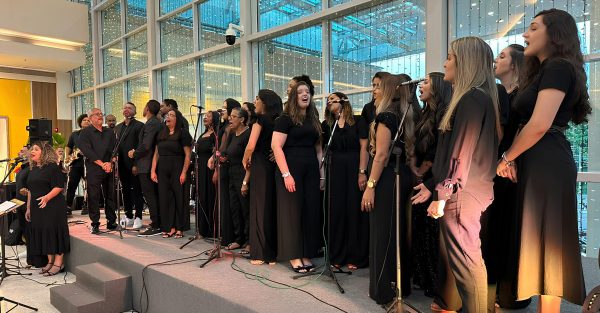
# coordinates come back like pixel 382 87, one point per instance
pixel 243 130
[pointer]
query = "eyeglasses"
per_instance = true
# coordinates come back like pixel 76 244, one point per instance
pixel 97 114
pixel 236 116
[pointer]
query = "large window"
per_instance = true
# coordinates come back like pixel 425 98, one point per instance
pixel 138 92
pixel 111 23
pixel 215 16
pixel 220 79
pixel 113 100
pixel 294 54
pixel 179 83
pixel 277 12
pixel 167 6
pixel 136 14
pixel 176 36
pixel 113 61
pixel 137 52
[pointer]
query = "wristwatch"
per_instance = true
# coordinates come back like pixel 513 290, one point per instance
pixel 286 174
pixel 371 183
pixel 244 183
pixel 362 171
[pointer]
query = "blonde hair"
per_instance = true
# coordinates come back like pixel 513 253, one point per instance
pixel 474 62
pixel 394 99
pixel 48 154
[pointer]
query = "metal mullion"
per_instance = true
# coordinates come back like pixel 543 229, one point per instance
pixel 196 26
pixel 175 12
pixel 198 54
pixel 111 43
pixel 123 42
pixel 103 5
pixel 121 79
pixel 137 30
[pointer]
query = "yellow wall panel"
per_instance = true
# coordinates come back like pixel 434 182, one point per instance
pixel 15 102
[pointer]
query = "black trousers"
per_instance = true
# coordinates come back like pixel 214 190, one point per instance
pixel 132 192
pixel 169 189
pixel 238 204
pixel 75 175
pixel 98 183
pixel 150 192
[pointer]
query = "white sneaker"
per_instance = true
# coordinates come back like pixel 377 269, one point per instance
pixel 137 223
pixel 123 222
pixel 130 223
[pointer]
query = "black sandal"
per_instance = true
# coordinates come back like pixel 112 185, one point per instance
pixel 60 270
pixel 44 270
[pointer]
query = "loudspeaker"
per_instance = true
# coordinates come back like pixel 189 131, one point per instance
pixel 39 130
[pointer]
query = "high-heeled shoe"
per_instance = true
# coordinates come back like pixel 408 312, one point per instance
pixel 45 270
pixel 52 273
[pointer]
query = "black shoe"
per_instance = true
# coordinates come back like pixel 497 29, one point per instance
pixel 84 211
pixel 149 232
pixel 111 225
pixel 95 230
pixel 69 213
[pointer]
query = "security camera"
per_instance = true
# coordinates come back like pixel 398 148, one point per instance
pixel 231 34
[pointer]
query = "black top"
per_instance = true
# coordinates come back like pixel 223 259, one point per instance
pixel 173 144
pixel 346 138
pixel 429 153
pixel 554 74
pixel 21 180
pixel 466 155
pixel 503 105
pixel 146 143
pixel 263 144
pixel 205 145
pixel 298 136
pixel 96 145
pixel 391 122
pixel 130 135
pixel 512 125
pixel 236 145
pixel 368 112
pixel 41 180
pixel 71 144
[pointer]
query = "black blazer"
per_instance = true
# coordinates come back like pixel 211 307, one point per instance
pixel 147 142
pixel 130 134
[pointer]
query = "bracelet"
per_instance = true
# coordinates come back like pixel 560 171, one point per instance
pixel 286 174
pixel 322 178
pixel 362 171
pixel 508 163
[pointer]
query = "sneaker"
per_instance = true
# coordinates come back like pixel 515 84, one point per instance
pixel 111 225
pixel 137 223
pixel 95 230
pixel 129 222
pixel 149 232
pixel 126 222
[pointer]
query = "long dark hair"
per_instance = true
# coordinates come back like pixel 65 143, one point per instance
pixel 563 39
pixel 517 59
pixel 441 93
pixel 292 109
pixel 273 105
pixel 251 113
pixel 215 121
pixel 345 110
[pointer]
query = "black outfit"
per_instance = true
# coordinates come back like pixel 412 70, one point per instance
pixel 21 182
pixel 206 189
pixel 227 233
pixel 382 256
pixel 98 145
pixel 238 204
pixel 298 227
pixel 463 171
pixel 263 221
pixel 128 138
pixel 48 232
pixel 368 112
pixel 549 258
pixel 349 226
pixel 143 161
pixel 426 230
pixel 171 158
pixel 76 172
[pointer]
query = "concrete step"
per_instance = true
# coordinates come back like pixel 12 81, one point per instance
pixel 113 286
pixel 74 298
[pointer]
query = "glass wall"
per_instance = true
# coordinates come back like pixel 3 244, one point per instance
pixel 137 52
pixel 113 101
pixel 138 92
pixel 273 13
pixel 179 83
pixel 176 36
pixel 112 62
pixel 215 16
pixel 220 78
pixel 111 23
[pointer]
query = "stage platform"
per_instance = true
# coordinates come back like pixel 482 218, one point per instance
pixel 183 286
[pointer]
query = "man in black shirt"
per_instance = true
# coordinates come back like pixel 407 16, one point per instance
pixel 76 171
pixel 143 163
pixel 111 121
pixel 97 143
pixel 170 104
pixel 128 133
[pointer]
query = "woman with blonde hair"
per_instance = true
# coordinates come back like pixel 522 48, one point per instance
pixel 464 165
pixel 393 113
pixel 48 232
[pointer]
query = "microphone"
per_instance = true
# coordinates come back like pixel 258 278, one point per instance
pixel 17 159
pixel 197 106
pixel 414 81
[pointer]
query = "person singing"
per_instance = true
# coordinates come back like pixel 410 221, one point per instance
pixel 76 171
pixel 48 229
pixel 169 169
pixel 97 144
pixel 552 94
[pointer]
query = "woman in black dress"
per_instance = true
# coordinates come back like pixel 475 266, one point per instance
pixel 169 169
pixel 263 235
pixel 349 226
pixel 251 109
pixel 46 209
pixel 205 147
pixel 435 94
pixel 238 176
pixel 552 94
pixel 298 152
pixel 379 197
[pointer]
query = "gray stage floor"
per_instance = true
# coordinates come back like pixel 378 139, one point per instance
pixel 219 287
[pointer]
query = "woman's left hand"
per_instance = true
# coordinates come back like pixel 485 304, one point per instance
pixel 368 200
pixel 182 178
pixel 506 171
pixel 322 184
pixel 43 200
pixel 244 190
pixel 362 181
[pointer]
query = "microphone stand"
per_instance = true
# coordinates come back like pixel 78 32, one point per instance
pixel 397 304
pixel 114 158
pixel 196 196
pixel 326 160
pixel 215 253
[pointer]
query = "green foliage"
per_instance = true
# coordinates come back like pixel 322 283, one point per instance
pixel 58 140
